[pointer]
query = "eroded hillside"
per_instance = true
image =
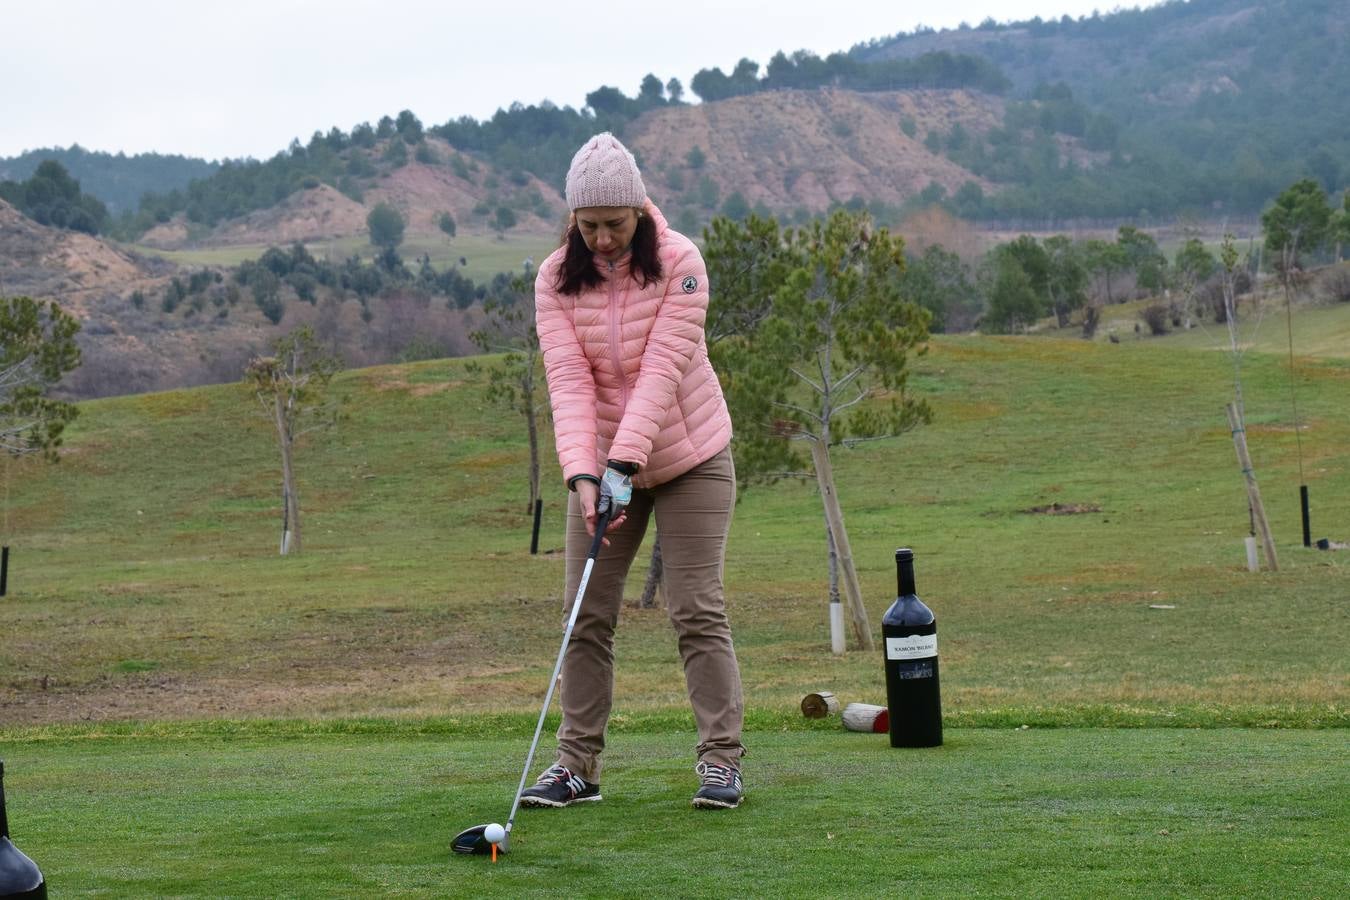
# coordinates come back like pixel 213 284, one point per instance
pixel 811 149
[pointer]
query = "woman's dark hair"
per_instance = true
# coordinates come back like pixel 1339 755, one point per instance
pixel 578 270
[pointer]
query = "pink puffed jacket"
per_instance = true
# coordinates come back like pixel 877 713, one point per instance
pixel 627 366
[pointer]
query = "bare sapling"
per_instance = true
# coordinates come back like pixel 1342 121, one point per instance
pixel 652 586
pixel 1236 411
pixel 292 387
pixel 517 383
pixel 1192 267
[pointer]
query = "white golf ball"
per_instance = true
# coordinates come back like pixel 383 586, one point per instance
pixel 494 833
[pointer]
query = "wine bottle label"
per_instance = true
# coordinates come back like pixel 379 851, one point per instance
pixel 915 646
pixel 914 668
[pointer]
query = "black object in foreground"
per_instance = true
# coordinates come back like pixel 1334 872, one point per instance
pixel 19 875
pixel 472 840
pixel 909 629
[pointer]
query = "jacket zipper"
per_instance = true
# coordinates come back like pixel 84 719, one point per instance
pixel 614 337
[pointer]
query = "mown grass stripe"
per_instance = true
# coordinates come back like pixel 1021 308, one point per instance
pixel 1096 716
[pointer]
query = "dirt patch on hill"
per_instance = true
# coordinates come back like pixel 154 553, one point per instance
pixel 73 268
pixel 422 191
pixel 167 235
pixel 813 148
pixel 308 215
pixel 1064 509
pixel 420 389
pixel 89 265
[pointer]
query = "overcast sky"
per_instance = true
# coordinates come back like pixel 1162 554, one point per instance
pixel 242 78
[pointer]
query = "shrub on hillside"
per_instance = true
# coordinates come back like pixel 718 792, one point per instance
pixel 504 219
pixel 1092 317
pixel 304 285
pixel 426 155
pixel 1334 284
pixel 359 165
pixel 1210 295
pixel 173 295
pixel 1155 317
pixel 106 371
pixel 350 188
pixel 396 154
pixel 51 197
pixel 386 225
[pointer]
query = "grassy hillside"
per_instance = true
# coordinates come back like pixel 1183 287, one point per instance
pixel 1318 328
pixel 145 583
pixel 485 255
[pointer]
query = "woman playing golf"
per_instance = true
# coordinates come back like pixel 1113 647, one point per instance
pixel 640 421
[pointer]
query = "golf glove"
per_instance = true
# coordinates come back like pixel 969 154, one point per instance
pixel 616 491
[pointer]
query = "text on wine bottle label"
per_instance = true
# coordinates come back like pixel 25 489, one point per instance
pixel 915 646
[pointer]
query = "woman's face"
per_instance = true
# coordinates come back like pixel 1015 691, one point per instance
pixel 607 230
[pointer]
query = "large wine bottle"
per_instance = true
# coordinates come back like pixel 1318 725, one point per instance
pixel 19 875
pixel 910 632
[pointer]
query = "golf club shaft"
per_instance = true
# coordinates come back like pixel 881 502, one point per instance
pixel 601 524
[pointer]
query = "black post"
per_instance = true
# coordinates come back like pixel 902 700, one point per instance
pixel 1302 493
pixel 4 569
pixel 534 538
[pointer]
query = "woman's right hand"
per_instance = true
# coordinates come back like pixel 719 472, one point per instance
pixel 588 492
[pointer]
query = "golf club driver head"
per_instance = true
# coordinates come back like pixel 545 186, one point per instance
pixel 472 840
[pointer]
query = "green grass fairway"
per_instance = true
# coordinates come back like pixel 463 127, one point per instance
pixel 290 812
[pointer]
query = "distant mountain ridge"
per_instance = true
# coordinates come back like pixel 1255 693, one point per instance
pixel 115 178
pixel 1241 96
pixel 1205 108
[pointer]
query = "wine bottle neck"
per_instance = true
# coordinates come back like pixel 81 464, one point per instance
pixel 905 576
pixel 4 822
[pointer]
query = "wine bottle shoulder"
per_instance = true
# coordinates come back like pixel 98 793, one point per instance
pixel 908 612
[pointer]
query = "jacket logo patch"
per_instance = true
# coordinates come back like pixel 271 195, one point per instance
pixel 690 284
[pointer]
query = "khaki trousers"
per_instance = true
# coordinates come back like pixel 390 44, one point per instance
pixel 693 515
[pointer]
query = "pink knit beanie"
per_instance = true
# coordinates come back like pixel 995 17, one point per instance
pixel 604 173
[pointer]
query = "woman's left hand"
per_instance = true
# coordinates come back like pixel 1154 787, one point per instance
pixel 588 492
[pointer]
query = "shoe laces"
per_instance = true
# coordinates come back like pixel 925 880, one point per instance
pixel 560 774
pixel 714 775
